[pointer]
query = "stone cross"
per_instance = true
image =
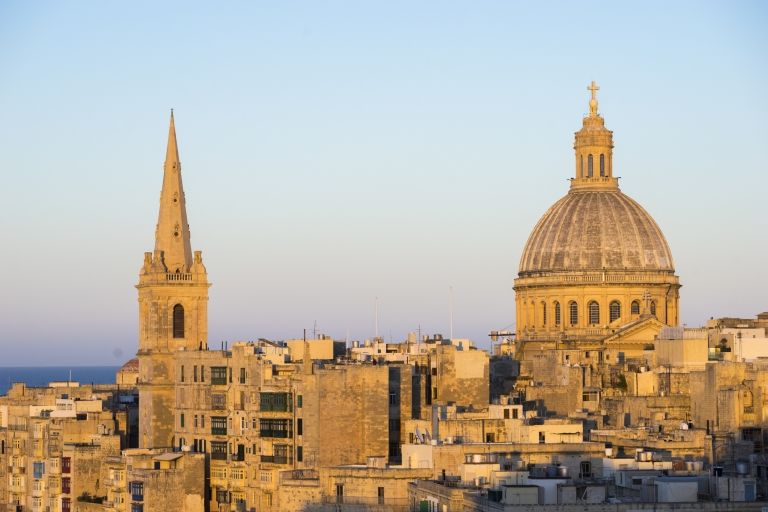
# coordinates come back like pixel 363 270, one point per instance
pixel 593 88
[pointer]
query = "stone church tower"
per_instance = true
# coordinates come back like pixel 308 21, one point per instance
pixel 173 306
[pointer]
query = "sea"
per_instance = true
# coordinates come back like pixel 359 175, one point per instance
pixel 42 375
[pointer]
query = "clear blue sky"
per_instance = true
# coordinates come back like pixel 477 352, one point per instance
pixel 334 152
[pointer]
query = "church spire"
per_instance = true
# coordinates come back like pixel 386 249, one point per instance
pixel 594 150
pixel 172 233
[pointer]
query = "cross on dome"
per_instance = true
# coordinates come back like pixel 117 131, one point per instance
pixel 593 88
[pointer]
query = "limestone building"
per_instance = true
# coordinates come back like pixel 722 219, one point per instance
pixel 596 266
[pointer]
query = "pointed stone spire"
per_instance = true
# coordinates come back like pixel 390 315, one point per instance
pixel 172 234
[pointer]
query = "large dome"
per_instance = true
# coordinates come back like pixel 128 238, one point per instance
pixel 591 230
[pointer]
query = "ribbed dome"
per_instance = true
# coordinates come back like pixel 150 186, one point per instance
pixel 595 230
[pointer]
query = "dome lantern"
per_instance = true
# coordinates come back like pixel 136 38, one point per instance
pixel 594 151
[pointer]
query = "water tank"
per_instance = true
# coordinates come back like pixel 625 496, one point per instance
pixel 551 471
pixel 742 468
pixel 562 471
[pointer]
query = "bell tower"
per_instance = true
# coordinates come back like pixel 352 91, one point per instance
pixel 173 306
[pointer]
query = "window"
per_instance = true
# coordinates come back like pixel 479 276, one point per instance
pixel 299 401
pixel 589 166
pixel 586 469
pixel 581 166
pixel 557 313
pixel 381 495
pixel 339 493
pixel 544 313
pixel 299 453
pixel 218 401
pixel 506 413
pixel 573 310
pixel 219 450
pixel 194 373
pixel 602 164
pixel 202 421
pixel 66 504
pixel 137 491
pixel 270 427
pixel 202 373
pixel 38 469
pixel 66 464
pixel 219 425
pixel 299 427
pixel 614 311
pixel 218 375
pixel 178 321
pixel 594 313
pixel 653 308
pixel 242 375
pixel 181 420
pixel 182 373
pixel 276 402
pixel 635 308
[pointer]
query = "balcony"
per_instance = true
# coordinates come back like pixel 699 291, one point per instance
pixel 279 434
pixel 274 459
pixel 219 455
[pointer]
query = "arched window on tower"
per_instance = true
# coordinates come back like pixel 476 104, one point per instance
pixel 557 313
pixel 594 313
pixel 573 310
pixel 653 308
pixel 602 164
pixel 589 166
pixel 544 314
pixel 178 321
pixel 635 309
pixel 614 311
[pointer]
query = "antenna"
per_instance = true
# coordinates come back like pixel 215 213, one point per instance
pixel 450 308
pixel 314 331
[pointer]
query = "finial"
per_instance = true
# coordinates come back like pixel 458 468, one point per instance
pixel 593 88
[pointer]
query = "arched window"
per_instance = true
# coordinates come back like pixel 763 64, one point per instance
pixel 653 308
pixel 573 310
pixel 544 314
pixel 557 313
pixel 635 309
pixel 594 313
pixel 614 311
pixel 581 166
pixel 602 164
pixel 178 321
pixel 589 166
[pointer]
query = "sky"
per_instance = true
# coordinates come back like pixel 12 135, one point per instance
pixel 341 154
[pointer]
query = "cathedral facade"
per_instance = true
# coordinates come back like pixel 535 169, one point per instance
pixel 596 265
